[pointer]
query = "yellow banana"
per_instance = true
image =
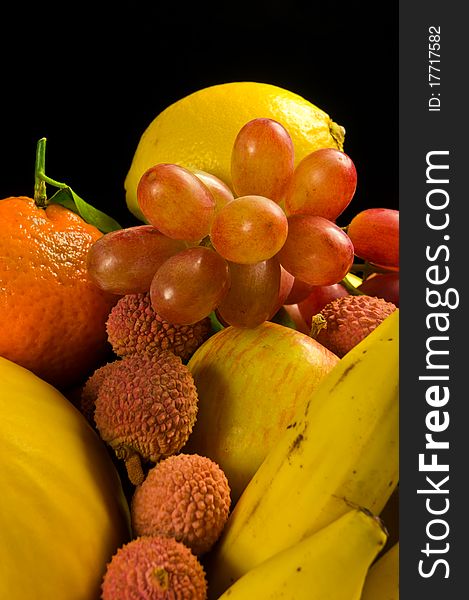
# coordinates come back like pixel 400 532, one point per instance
pixel 329 565
pixel 340 449
pixel 382 581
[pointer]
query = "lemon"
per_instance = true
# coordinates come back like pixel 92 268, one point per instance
pixel 198 131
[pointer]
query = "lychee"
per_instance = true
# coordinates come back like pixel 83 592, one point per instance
pixel 154 568
pixel 133 326
pixel 186 497
pixel 346 321
pixel 89 392
pixel 146 408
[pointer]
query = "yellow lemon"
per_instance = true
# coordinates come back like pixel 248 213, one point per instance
pixel 198 131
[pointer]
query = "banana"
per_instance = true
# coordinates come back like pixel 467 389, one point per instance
pixel 329 565
pixel 341 448
pixel 382 581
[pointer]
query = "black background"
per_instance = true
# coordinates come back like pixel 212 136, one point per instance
pixel 92 80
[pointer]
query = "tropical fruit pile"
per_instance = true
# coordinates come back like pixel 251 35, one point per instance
pixel 220 417
pixel 239 250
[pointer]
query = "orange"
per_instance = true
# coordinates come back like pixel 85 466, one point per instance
pixel 52 316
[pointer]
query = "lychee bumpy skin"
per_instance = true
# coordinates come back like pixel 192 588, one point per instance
pixel 187 497
pixel 346 321
pixel 134 327
pixel 146 409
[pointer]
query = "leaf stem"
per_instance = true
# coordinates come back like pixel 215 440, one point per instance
pixel 66 196
pixel 40 177
pixel 53 182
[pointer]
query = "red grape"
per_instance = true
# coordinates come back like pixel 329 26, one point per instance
pixel 125 261
pixel 323 184
pixel 292 290
pixel 286 283
pixel 176 202
pixel 299 291
pixel 249 229
pixel 262 159
pixel 189 285
pixel 253 295
pixel 375 236
pixel 318 298
pixel 316 251
pixel 220 191
pixel 296 317
pixel 382 285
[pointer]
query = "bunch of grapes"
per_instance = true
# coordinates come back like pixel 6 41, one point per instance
pixel 243 252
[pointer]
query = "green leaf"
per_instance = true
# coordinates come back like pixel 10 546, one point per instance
pixel 64 198
pixel 94 216
pixel 67 197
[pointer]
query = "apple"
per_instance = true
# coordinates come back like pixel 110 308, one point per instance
pixel 249 383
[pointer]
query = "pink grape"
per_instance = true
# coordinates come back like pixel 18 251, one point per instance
pixel 299 291
pixel 262 159
pixel 189 285
pixel 176 202
pixel 316 251
pixel 125 261
pixel 249 229
pixel 220 191
pixel 375 236
pixel 323 184
pixel 382 285
pixel 295 316
pixel 253 295
pixel 318 298
pixel 286 284
pixel 292 290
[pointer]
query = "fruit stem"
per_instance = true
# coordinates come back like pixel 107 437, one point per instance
pixel 206 242
pixel 318 322
pixel 351 289
pixel 368 513
pixel 134 469
pixel 40 193
pixel 338 134
pixel 216 325
pixel 368 268
pixel 40 177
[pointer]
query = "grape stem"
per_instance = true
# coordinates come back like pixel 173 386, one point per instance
pixel 216 325
pixel 368 268
pixel 351 289
pixel 206 242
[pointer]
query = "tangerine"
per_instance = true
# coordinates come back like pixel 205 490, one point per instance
pixel 52 316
